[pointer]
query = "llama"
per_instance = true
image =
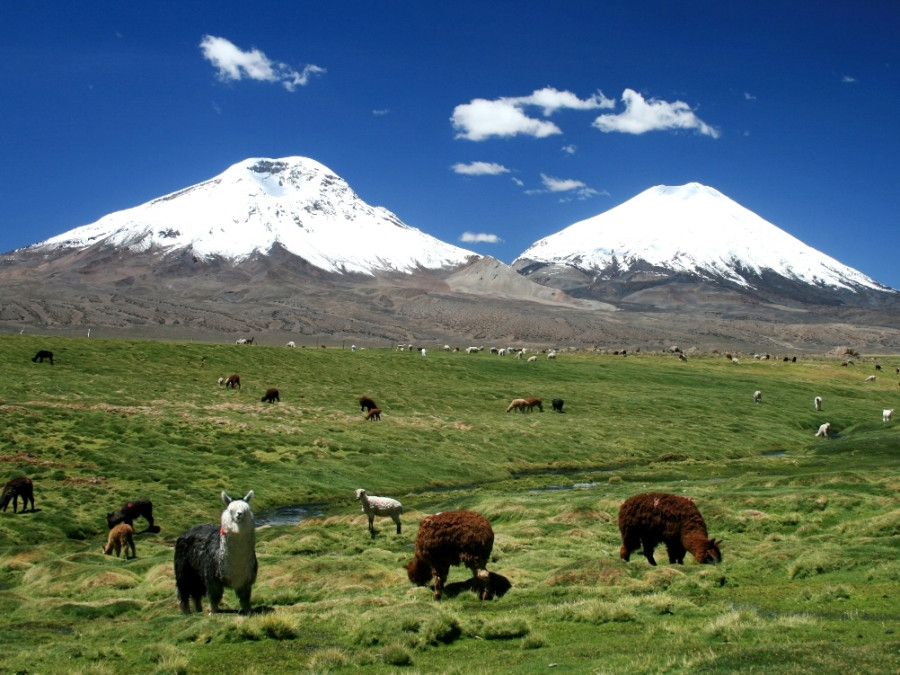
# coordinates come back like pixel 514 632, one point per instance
pixel 233 381
pixel 43 354
pixel 757 396
pixel 533 402
pixel 366 404
pixel 886 414
pixel 379 506
pixel 120 537
pixel 18 487
pixel 130 511
pixel 824 430
pixel 517 404
pixel 646 520
pixel 557 404
pixel 374 415
pixel 271 396
pixel 210 557
pixel 452 538
pixel 817 403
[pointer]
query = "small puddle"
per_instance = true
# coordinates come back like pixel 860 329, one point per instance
pixel 287 515
pixel 774 453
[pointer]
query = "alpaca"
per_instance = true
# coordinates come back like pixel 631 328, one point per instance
pixel 533 402
pixel 374 415
pixel 757 396
pixel 210 557
pixel 532 359
pixel 557 404
pixel 870 378
pixel 379 506
pixel 18 487
pixel 233 381
pixel 886 414
pixel 120 537
pixel 517 404
pixel 130 511
pixel 817 402
pixel 271 396
pixel 646 520
pixel 43 354
pixel 291 344
pixel 366 404
pixel 824 430
pixel 452 538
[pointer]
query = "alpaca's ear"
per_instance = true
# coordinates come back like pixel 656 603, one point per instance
pixel 226 498
pixel 248 496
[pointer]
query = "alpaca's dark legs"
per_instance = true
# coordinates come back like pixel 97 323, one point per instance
pixel 397 520
pixel 372 526
pixel 630 542
pixel 648 551
pixel 215 591
pixel 243 595
pixel 439 575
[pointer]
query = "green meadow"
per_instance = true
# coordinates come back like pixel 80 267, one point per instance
pixel 811 527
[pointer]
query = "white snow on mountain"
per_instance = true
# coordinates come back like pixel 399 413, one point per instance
pixel 694 229
pixel 253 205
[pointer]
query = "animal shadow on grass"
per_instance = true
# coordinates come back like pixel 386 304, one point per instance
pixel 261 609
pixel 499 586
pixel 155 529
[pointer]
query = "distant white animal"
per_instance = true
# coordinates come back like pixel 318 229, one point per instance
pixel 757 395
pixel 870 378
pixel 352 348
pixel 817 402
pixel 824 430
pixel 734 359
pixel 551 355
pixel 532 358
pixel 886 415
pixel 379 506
pixel 291 344
pixel 423 351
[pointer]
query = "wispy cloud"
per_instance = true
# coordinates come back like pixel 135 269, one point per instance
pixel 641 116
pixel 483 118
pixel 847 79
pixel 479 238
pixel 479 169
pixel 748 96
pixel 569 187
pixel 232 63
pixel 381 112
pixel 569 149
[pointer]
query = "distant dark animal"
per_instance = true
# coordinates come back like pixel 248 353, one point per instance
pixel 233 381
pixel 374 415
pixel 533 402
pixel 452 538
pixel 129 511
pixel 43 354
pixel 210 557
pixel 557 404
pixel 271 395
pixel 646 520
pixel 366 404
pixel 120 537
pixel 18 487
pixel 877 367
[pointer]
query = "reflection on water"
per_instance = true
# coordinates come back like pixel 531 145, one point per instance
pixel 287 515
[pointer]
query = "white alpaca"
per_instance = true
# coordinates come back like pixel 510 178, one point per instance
pixel 886 415
pixel 423 351
pixel 532 359
pixel 379 506
pixel 221 381
pixel 817 402
pixel 551 355
pixel 870 378
pixel 824 430
pixel 757 396
pixel 291 344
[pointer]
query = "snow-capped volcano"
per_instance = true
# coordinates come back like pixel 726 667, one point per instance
pixel 258 204
pixel 695 230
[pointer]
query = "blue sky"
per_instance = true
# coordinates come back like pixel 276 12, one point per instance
pixel 485 124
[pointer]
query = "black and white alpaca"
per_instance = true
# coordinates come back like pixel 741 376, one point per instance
pixel 210 557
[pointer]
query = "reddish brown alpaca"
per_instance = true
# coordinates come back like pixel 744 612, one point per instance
pixel 452 538
pixel 646 520
pixel 120 537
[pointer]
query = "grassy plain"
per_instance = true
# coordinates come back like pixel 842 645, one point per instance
pixel 811 527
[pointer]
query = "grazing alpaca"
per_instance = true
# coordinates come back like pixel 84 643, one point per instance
pixel 452 538
pixel 271 395
pixel 18 487
pixel 233 381
pixel 870 378
pixel 824 430
pixel 532 402
pixel 374 415
pixel 817 402
pixel 130 511
pixel 886 414
pixel 646 520
pixel 517 404
pixel 366 404
pixel 43 354
pixel 379 506
pixel 757 396
pixel 210 557
pixel 120 537
pixel 557 404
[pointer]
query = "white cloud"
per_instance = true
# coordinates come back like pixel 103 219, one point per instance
pixel 569 149
pixel 381 112
pixel 847 79
pixel 479 238
pixel 232 63
pixel 482 118
pixel 748 96
pixel 480 169
pixel 641 116
pixel 518 181
pixel 569 187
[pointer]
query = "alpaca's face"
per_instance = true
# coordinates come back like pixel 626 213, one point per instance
pixel 237 515
pixel 418 571
pixel 712 555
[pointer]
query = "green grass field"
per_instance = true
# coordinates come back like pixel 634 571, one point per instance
pixel 811 526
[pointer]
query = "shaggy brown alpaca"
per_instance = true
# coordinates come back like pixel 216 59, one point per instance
pixel 233 381
pixel 18 487
pixel 366 404
pixel 646 520
pixel 533 402
pixel 120 537
pixel 374 414
pixel 271 395
pixel 452 538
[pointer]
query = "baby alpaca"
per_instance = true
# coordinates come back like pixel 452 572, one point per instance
pixel 757 396
pixel 374 415
pixel 120 537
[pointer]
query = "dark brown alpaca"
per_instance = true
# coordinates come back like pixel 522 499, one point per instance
pixel 366 404
pixel 452 538
pixel 271 395
pixel 646 520
pixel 233 381
pixel 18 487
pixel 120 537
pixel 533 402
pixel 374 415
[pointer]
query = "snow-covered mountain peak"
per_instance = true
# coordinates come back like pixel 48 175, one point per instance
pixel 692 229
pixel 254 205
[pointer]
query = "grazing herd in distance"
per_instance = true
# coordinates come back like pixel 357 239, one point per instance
pixel 210 557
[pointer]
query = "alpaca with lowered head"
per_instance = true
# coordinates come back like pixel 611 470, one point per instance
pixel 646 520
pixel 18 487
pixel 210 557
pixel 120 537
pixel 130 511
